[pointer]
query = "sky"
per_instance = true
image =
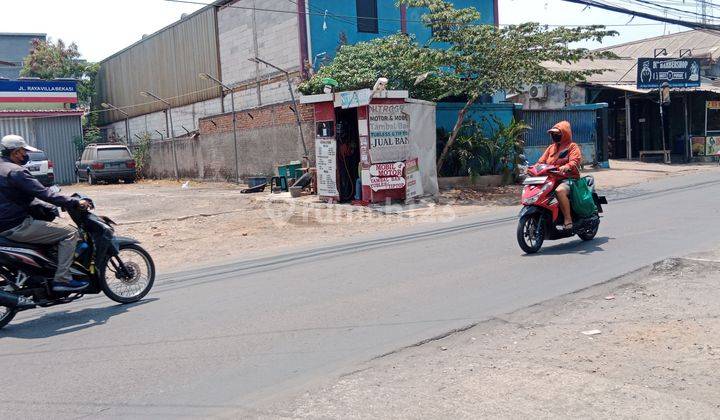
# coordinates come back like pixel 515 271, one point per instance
pixel 103 27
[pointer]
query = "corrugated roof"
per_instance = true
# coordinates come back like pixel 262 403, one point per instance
pixel 702 43
pixel 39 112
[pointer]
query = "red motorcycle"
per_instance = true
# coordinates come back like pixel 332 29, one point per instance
pixel 541 218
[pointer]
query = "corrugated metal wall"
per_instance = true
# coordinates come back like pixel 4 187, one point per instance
pixel 166 63
pixel 55 136
pixel 19 126
pixel 582 121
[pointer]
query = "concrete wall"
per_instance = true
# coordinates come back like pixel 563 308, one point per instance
pixel 13 49
pixel 187 116
pixel 264 141
pixel 272 36
pixel 560 95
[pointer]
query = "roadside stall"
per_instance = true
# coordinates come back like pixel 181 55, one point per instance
pixel 371 147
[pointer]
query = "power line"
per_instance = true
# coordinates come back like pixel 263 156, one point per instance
pixel 618 9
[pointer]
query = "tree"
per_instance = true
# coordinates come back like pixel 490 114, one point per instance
pixel 483 59
pixel 397 57
pixel 471 60
pixel 52 60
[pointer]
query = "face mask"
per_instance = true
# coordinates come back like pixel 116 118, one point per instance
pixel 556 137
pixel 25 159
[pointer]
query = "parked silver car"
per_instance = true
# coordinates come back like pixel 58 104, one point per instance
pixel 106 162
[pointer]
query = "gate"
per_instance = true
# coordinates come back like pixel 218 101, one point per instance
pixel 588 124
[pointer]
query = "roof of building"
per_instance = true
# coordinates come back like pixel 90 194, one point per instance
pixel 621 73
pixel 22 34
pixel 702 43
pixel 217 3
pixel 40 112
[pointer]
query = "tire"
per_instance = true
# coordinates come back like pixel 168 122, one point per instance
pixel 590 234
pixel 129 180
pixel 91 179
pixel 111 274
pixel 6 314
pixel 534 223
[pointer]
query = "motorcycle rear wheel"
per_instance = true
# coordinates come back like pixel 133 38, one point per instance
pixel 6 314
pixel 530 233
pixel 589 235
pixel 133 286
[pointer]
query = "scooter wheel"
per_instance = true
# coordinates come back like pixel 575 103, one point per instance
pixel 531 233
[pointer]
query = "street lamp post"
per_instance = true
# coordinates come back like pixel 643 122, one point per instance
pixel 292 97
pixel 171 131
pixel 206 76
pixel 108 105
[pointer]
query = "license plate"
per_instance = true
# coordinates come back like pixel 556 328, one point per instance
pixel 33 168
pixel 535 180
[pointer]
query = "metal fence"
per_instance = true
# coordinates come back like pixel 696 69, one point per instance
pixel 586 127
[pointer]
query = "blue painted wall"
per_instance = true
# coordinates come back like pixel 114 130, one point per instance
pixel 340 20
pixel 447 112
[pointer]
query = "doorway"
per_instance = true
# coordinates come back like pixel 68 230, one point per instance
pixel 348 156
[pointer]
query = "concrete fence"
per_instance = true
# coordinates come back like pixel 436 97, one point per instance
pixel 267 139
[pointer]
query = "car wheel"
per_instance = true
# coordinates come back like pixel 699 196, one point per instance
pixel 129 180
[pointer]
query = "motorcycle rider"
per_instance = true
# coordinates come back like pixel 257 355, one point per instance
pixel 567 156
pixel 18 190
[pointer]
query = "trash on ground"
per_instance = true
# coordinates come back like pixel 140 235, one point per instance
pixel 592 332
pixel 610 297
pixel 186 185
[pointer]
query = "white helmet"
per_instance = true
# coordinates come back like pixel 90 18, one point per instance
pixel 11 142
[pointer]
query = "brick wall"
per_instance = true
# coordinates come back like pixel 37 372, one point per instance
pixel 263 117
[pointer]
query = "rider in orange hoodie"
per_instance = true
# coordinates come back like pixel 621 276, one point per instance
pixel 567 156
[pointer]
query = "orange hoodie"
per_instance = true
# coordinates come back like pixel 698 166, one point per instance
pixel 574 156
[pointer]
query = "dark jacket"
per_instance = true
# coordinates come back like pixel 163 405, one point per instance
pixel 18 189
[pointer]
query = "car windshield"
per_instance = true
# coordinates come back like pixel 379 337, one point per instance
pixel 117 153
pixel 37 156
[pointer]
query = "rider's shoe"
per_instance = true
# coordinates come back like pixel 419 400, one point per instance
pixel 25 303
pixel 70 286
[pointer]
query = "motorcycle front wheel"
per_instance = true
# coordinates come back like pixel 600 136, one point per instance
pixel 129 276
pixel 530 233
pixel 6 314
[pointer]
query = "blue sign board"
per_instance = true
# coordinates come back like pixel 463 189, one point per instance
pixel 676 72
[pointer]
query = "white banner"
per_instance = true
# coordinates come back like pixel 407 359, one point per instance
pixel 326 159
pixel 389 133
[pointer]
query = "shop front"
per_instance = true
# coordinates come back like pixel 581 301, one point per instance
pixel 374 147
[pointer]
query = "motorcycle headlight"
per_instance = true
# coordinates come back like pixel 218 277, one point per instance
pixel 533 199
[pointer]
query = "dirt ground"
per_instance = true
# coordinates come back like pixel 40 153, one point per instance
pixel 212 222
pixel 655 354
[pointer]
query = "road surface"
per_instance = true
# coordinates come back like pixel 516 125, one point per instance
pixel 228 340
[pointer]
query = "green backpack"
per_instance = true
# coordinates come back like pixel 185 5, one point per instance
pixel 581 198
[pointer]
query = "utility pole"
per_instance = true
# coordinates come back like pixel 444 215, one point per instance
pixel 292 97
pixel 208 77
pixel 171 130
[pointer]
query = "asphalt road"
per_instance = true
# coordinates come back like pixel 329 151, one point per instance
pixel 225 341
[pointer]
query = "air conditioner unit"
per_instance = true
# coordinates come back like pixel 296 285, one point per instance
pixel 538 92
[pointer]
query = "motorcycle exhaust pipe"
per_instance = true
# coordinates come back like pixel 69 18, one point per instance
pixel 8 299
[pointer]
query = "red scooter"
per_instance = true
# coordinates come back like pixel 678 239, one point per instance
pixel 541 218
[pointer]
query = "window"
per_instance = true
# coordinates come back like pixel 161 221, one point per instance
pixel 367 16
pixel 113 154
pixel 37 156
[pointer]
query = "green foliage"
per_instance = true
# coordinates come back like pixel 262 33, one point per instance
pixel 475 153
pixel 51 60
pixel 141 154
pixel 397 57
